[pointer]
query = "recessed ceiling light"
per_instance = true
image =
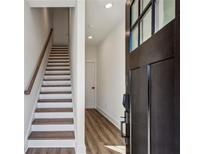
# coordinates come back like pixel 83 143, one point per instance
pixel 108 5
pixel 90 37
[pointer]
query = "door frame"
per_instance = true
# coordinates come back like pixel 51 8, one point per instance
pixel 95 69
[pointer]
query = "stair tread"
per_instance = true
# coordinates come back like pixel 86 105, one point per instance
pixel 62 53
pixel 58 58
pixel 57 74
pixel 59 46
pixel 60 121
pixel 51 150
pixel 56 79
pixel 57 65
pixel 52 135
pixel 59 61
pixel 55 92
pixel 58 52
pixel 54 100
pixel 56 85
pixel 54 110
pixel 60 69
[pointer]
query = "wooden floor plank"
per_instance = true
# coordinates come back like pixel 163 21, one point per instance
pixel 99 132
pixel 50 151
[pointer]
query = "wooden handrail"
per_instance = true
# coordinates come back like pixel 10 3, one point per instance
pixel 28 90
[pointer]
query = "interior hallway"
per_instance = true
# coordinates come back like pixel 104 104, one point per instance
pixel 99 133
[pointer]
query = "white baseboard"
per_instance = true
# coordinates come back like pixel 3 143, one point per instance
pixel 29 127
pixel 107 116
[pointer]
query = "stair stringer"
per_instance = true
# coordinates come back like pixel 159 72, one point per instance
pixel 35 102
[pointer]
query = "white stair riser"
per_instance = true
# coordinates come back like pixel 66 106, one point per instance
pixel 55 105
pixel 57 76
pixel 59 67
pixel 57 72
pixel 58 47
pixel 56 127
pixel 51 143
pixel 59 55
pixel 56 89
pixel 59 60
pixel 55 96
pixel 56 82
pixel 59 63
pixel 51 115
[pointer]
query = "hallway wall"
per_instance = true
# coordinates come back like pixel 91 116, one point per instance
pixel 90 53
pixel 60 25
pixel 111 74
pixel 37 24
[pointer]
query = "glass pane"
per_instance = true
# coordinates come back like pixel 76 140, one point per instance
pixel 165 12
pixel 143 4
pixel 134 12
pixel 134 39
pixel 146 26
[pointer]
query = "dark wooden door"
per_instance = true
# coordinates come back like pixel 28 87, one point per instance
pixel 162 108
pixel 139 106
pixel 152 83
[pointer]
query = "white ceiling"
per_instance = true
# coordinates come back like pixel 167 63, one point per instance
pixel 100 21
pixel 51 3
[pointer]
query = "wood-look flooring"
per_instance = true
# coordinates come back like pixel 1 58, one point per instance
pixel 50 151
pixel 99 133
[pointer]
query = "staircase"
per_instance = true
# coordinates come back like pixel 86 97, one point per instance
pixel 53 124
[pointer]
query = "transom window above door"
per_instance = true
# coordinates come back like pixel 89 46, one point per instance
pixel 148 17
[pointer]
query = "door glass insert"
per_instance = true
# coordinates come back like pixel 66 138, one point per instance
pixel 134 12
pixel 164 13
pixel 146 26
pixel 134 39
pixel 143 4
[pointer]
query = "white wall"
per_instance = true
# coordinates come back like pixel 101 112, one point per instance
pixel 77 49
pixel 90 53
pixel 111 74
pixel 60 26
pixel 37 24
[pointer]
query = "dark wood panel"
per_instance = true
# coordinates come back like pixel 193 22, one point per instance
pixel 139 111
pixel 163 112
pixel 158 47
